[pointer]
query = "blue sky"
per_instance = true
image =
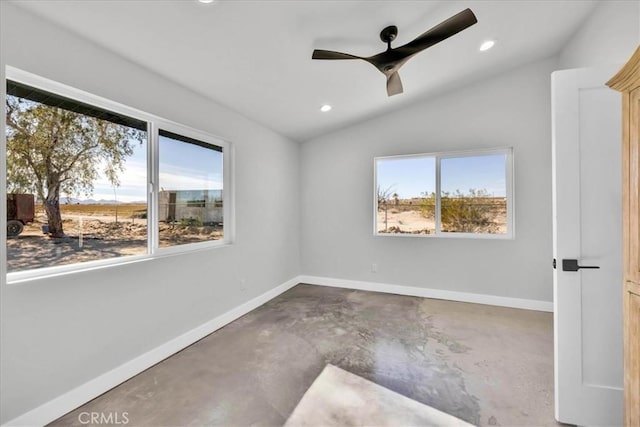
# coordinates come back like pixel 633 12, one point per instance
pixel 186 166
pixel 412 176
pixel 183 166
pixel 133 179
pixel 407 176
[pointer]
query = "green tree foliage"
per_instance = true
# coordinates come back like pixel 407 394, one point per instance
pixel 428 205
pixel 51 151
pixel 470 213
pixel 473 212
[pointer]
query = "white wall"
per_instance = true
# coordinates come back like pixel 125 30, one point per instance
pixel 60 332
pixel 609 36
pixel 512 109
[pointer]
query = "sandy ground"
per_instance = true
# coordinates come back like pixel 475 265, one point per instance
pixel 406 221
pixel 413 222
pixel 94 237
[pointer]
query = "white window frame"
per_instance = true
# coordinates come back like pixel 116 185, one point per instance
pixel 226 177
pixel 438 156
pixel 154 123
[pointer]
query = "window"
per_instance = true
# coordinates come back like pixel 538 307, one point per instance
pixel 463 194
pixel 80 181
pixel 190 200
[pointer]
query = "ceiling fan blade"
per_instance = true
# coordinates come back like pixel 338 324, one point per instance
pixel 394 85
pixel 440 32
pixel 330 54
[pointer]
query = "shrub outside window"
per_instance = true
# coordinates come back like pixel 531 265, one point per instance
pixel 457 194
pixel 80 181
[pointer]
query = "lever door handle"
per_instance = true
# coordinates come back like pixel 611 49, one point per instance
pixel 572 265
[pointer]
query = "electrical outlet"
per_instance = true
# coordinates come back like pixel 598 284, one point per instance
pixel 374 268
pixel 243 284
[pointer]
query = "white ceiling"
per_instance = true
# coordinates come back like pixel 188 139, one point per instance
pixel 255 56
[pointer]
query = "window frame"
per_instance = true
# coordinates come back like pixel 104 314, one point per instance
pixel 438 156
pixel 167 125
pixel 154 124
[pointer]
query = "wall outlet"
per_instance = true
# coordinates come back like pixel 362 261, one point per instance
pixel 374 268
pixel 243 284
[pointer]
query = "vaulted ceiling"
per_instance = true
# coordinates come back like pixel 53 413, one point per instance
pixel 255 56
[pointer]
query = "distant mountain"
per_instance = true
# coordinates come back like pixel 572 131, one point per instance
pixel 74 201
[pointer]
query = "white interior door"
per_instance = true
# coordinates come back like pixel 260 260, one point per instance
pixel 587 227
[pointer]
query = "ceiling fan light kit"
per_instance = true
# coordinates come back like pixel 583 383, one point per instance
pixel 390 61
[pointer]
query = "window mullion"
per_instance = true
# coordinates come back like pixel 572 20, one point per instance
pixel 152 166
pixel 509 193
pixel 438 201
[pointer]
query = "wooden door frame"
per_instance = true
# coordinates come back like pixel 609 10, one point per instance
pixel 627 81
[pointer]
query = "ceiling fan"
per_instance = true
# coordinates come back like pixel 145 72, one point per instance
pixel 390 61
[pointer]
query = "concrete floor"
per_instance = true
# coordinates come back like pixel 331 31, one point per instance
pixel 486 365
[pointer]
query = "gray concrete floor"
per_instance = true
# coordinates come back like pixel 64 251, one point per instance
pixel 487 365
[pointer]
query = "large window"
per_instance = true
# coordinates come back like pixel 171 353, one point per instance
pixel 80 181
pixel 464 194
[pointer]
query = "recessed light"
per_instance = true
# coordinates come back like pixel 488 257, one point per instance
pixel 206 1
pixel 487 45
pixel 325 108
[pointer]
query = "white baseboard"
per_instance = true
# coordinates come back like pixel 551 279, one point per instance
pixel 526 304
pixel 61 405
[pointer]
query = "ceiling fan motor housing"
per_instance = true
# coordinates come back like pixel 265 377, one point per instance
pixel 389 34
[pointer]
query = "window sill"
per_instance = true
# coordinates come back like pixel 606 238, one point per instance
pixel 19 277
pixel 445 235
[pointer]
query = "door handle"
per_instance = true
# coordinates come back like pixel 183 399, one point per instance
pixel 572 265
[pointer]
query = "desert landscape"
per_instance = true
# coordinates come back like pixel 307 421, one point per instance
pixel 95 232
pixel 459 214
pixel 100 231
